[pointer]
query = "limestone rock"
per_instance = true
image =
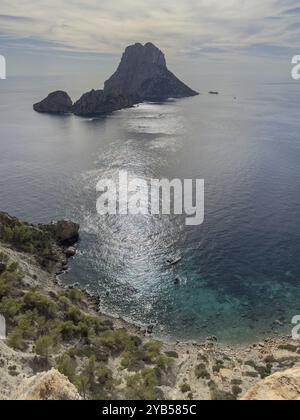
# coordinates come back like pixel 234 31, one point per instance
pixel 282 386
pixel 143 74
pixel 49 386
pixel 56 103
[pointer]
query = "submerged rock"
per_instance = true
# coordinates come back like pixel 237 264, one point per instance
pixel 56 103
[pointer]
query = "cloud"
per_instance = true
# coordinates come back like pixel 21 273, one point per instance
pixel 16 18
pixel 182 27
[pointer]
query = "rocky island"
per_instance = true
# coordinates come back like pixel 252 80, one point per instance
pixel 142 75
pixel 56 103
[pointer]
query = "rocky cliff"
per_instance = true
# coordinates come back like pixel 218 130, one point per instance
pixel 50 244
pixel 142 75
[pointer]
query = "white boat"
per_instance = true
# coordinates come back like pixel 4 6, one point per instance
pixel 174 261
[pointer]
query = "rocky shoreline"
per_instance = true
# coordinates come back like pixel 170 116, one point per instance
pixel 121 353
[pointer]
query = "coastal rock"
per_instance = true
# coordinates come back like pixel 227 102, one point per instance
pixel 47 243
pixel 56 103
pixel 65 232
pixel 71 252
pixel 49 386
pixel 143 74
pixel 282 386
pixel 97 102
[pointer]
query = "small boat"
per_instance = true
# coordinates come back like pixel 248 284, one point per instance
pixel 177 281
pixel 174 261
pixel 213 93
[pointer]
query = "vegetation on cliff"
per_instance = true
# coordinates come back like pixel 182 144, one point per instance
pixel 47 243
pixel 59 330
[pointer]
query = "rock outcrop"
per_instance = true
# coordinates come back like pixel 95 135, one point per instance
pixel 49 386
pixel 58 103
pixel 141 76
pixel 65 232
pixel 282 386
pixel 48 243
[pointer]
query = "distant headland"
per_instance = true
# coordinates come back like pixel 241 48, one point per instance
pixel 142 75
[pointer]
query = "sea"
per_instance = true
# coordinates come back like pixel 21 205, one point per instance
pixel 240 269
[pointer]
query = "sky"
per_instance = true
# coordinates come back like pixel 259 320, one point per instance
pixel 196 35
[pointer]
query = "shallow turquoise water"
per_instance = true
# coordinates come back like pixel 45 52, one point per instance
pixel 241 267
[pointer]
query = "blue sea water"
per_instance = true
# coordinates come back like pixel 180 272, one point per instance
pixel 241 267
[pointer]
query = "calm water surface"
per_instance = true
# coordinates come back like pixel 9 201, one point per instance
pixel 241 267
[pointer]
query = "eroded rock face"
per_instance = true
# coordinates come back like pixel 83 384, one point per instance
pixel 143 74
pixel 49 386
pixel 282 386
pixel 56 103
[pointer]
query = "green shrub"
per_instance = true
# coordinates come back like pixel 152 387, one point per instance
pixel 117 341
pixel 163 363
pixel 289 347
pixel 270 359
pixel 74 295
pixel 9 308
pixel 15 340
pixel 44 306
pixel 236 390
pixel 143 385
pixel 24 237
pixel 250 374
pixel 95 381
pixel 218 366
pixel 264 371
pixel 201 372
pixel 132 360
pixel 74 314
pixel 44 346
pixel 250 363
pixel 236 382
pixel 67 366
pixel 172 354
pixel 185 388
pixel 219 395
pixel 152 350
